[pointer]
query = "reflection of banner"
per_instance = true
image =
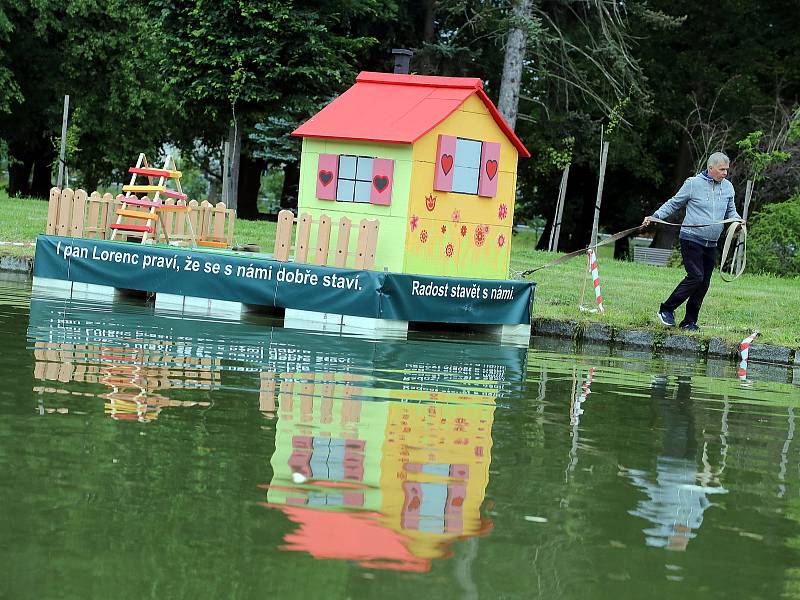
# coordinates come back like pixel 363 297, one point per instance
pixel 243 278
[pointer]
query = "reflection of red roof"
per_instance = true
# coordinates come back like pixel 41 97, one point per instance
pixel 349 536
pixel 384 107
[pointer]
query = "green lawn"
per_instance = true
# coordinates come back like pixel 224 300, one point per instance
pixel 631 291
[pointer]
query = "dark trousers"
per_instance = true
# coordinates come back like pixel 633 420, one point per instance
pixel 698 260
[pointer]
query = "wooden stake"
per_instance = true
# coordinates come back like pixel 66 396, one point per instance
pixel 225 174
pixel 595 223
pixel 747 196
pixel 62 153
pixel 555 230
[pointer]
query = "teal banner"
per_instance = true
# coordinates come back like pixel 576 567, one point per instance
pixel 239 277
pixel 455 300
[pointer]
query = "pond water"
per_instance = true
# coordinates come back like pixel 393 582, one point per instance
pixel 147 456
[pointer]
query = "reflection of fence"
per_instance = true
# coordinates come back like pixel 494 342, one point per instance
pixel 365 245
pixel 73 213
pixel 135 377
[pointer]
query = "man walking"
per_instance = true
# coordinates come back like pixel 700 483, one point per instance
pixel 708 198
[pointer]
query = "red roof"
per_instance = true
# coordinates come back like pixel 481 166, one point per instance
pixel 414 104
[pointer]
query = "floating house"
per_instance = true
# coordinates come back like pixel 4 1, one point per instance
pixel 431 158
pixel 425 166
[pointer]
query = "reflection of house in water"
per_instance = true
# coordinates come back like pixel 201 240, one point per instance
pixel 135 369
pixel 390 439
pixel 677 492
pixel 394 478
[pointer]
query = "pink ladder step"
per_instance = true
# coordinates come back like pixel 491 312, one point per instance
pixel 148 172
pixel 176 195
pixel 133 201
pixel 127 227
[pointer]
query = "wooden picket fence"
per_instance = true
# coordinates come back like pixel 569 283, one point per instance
pixel 73 213
pixel 364 253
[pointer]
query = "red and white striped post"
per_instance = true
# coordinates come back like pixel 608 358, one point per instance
pixel 744 351
pixel 595 279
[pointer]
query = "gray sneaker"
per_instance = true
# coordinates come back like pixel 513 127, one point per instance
pixel 667 318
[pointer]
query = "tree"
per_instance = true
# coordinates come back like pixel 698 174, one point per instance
pixel 99 56
pixel 9 89
pixel 236 64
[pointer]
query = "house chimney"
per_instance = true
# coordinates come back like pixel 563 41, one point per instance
pixel 402 57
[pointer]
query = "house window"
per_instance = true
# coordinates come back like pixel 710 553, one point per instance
pixel 467 166
pixel 355 179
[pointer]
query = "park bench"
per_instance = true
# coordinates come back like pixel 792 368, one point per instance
pixel 652 256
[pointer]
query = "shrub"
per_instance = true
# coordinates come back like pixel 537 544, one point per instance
pixel 773 243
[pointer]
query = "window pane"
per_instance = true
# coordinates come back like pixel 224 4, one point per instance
pixel 468 153
pixel 363 190
pixel 347 166
pixel 344 189
pixel 465 181
pixel 364 170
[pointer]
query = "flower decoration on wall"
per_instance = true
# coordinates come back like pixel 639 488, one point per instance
pixel 501 240
pixel 444 228
pixel 502 211
pixel 430 202
pixel 414 222
pixel 456 216
pixel 480 235
pixel 463 231
pixel 423 236
pixel 448 250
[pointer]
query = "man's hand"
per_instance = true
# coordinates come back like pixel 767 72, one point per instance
pixel 646 222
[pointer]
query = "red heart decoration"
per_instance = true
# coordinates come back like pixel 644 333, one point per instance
pixel 447 163
pixel 380 182
pixel 491 168
pixel 325 177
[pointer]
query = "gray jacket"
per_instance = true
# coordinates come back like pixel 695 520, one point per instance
pixel 706 201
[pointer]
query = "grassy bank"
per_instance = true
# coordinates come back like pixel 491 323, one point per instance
pixel 631 291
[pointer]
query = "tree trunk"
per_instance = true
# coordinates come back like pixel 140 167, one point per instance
pixel 249 184
pixel 512 65
pixel 19 173
pixel 622 248
pixel 291 185
pixel 665 237
pixel 430 16
pixel 42 175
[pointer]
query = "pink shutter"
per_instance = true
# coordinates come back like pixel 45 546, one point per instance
pixel 327 168
pixel 490 169
pixel 382 180
pixel 445 163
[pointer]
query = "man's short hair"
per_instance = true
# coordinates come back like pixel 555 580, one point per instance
pixel 718 158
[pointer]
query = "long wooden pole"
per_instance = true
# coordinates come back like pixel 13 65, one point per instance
pixel 555 230
pixel 596 221
pixel 62 153
pixel 748 194
pixel 225 174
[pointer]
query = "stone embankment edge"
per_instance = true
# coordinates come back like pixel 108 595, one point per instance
pixel 661 341
pixel 642 339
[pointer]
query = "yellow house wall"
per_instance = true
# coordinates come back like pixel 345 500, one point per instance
pixel 392 218
pixel 460 234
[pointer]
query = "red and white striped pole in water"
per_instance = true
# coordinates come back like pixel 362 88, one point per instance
pixel 595 279
pixel 744 350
